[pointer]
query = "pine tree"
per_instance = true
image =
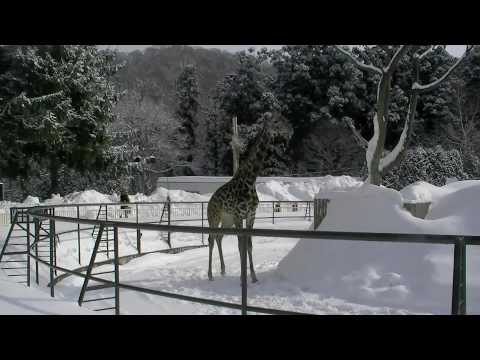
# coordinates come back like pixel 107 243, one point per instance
pixel 187 94
pixel 247 95
pixel 56 102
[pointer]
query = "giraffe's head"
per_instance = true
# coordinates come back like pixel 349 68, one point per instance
pixel 253 159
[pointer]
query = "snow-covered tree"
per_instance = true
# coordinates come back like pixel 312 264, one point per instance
pixel 463 129
pixel 433 165
pixel 144 128
pixel 317 86
pixel 247 95
pixel 378 161
pixel 55 104
pixel 187 99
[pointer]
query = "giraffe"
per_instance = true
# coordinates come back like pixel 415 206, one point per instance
pixel 237 200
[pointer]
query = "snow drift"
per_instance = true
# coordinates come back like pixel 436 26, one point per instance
pixel 413 276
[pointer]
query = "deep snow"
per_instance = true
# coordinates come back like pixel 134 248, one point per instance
pixel 317 276
pixel 412 276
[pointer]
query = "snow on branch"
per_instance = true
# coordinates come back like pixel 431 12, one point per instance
pixel 396 58
pixel 357 62
pixel 394 157
pixel 423 88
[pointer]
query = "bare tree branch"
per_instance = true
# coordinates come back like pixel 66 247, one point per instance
pixel 357 62
pixel 360 139
pixel 402 50
pixel 423 88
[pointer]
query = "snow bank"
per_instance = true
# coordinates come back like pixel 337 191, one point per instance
pixel 89 196
pixel 424 192
pixel 160 194
pixel 56 199
pixel 458 210
pixel 31 201
pixel 413 276
pixel 276 190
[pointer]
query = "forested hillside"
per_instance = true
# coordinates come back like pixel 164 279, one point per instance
pixel 170 108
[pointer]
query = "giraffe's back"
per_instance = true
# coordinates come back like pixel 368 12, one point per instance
pixel 234 199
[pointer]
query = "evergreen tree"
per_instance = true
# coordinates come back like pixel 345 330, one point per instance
pixel 247 95
pixel 55 103
pixel 316 86
pixel 187 95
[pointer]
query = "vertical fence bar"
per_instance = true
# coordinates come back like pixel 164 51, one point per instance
pixel 117 275
pixel 107 232
pixel 459 288
pixel 55 243
pixel 273 212
pixel 169 209
pixel 139 245
pixel 28 250
pixel 203 241
pixel 243 245
pixel 52 246
pixel 78 237
pixel 37 239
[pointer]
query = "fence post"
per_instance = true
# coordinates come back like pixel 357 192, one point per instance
pixel 37 239
pixel 169 210
pixel 28 250
pixel 78 236
pixel 273 212
pixel 117 274
pixel 459 289
pixel 52 246
pixel 319 211
pixel 244 273
pixel 55 243
pixel 203 241
pixel 139 246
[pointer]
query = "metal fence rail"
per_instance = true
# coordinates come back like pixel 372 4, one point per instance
pixel 180 211
pixel 458 302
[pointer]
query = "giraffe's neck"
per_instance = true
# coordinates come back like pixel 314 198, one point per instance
pixel 245 174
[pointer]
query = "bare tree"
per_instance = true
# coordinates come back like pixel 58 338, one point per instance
pixel 462 131
pixel 378 162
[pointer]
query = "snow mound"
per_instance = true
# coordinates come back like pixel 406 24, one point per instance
pixel 424 192
pixel 459 209
pixel 413 276
pixel 138 198
pixel 89 196
pixel 276 190
pixel 160 194
pixel 31 201
pixel 56 199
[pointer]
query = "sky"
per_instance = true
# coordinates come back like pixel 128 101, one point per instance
pixel 455 50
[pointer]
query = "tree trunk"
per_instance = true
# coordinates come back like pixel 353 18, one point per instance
pixel 235 146
pixel 54 169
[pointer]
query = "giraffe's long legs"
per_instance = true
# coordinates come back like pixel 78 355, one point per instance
pixel 239 225
pixel 213 223
pixel 226 224
pixel 220 252
pixel 250 223
pixel 211 243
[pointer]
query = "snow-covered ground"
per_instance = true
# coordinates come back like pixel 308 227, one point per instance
pixel 19 300
pixel 417 277
pixel 314 276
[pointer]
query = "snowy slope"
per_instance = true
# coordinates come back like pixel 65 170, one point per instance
pixel 412 276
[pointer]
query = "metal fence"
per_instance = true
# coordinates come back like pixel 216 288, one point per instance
pixel 458 301
pixel 180 211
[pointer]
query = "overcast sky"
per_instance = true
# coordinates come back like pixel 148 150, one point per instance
pixel 456 50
